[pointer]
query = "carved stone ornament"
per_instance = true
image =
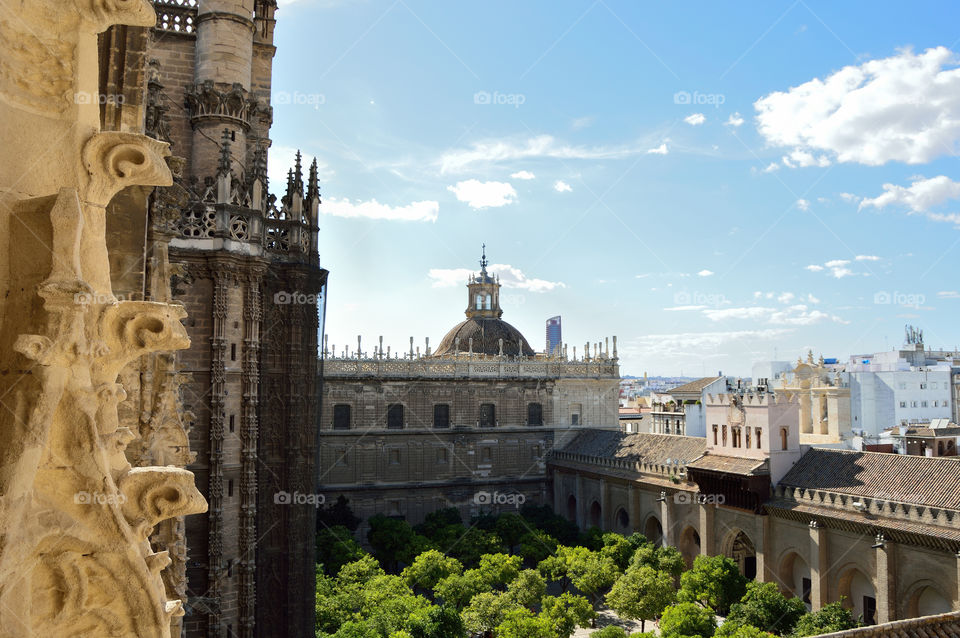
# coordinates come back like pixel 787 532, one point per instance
pixel 75 517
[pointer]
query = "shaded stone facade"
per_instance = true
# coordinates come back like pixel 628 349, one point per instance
pixel 469 427
pixel 244 265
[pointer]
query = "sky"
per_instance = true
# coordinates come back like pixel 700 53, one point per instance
pixel 714 183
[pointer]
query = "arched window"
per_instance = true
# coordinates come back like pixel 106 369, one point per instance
pixel 489 302
pixel 479 302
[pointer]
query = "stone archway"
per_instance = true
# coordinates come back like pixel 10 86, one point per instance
pixel 622 521
pixel 596 515
pixel 794 575
pixel 572 508
pixel 738 547
pixel 857 595
pixel 653 530
pixel 689 545
pixel 924 598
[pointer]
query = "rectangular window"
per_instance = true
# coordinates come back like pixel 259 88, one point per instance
pixel 395 457
pixel 441 415
pixel 233 423
pixel 488 415
pixel 576 409
pixel 807 588
pixel 535 452
pixel 441 456
pixel 723 433
pixel 748 438
pixel 903 404
pixel 341 416
pixel 575 419
pixel 923 404
pixel 923 386
pixel 486 455
pixel 230 488
pixel 534 414
pixel 395 416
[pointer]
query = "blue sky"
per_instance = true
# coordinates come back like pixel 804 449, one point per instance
pixel 714 183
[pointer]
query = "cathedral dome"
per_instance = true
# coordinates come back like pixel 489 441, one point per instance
pixel 486 334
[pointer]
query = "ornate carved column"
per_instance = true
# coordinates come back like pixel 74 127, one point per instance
pixel 222 279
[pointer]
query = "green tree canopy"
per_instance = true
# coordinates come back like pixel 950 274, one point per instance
pixel 642 593
pixel 527 588
pixel 498 570
pixel 734 630
pixel 714 581
pixel 522 623
pixel 486 611
pixel 511 527
pixel 687 619
pixel 590 572
pixel 566 612
pixel 394 541
pixel 764 607
pixel 335 548
pixel 829 618
pixel 536 546
pixel 429 568
pixel 456 590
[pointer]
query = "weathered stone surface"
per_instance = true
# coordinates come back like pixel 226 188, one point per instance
pixel 74 515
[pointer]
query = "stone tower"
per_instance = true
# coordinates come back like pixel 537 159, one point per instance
pixel 246 269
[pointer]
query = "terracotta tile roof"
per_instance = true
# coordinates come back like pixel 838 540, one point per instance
pixel 644 446
pixel 878 523
pixel 694 386
pixel 933 481
pixel 939 626
pixel 731 464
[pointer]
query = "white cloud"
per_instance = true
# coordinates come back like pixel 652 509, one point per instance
pixel 867 258
pixel 920 197
pixel 803 159
pixel 795 315
pixel 734 120
pixel 812 299
pixel 840 273
pixel 425 211
pixel 902 108
pixel 705 273
pixel 541 146
pixel 849 197
pixel 786 297
pixel 813 268
pixel 562 187
pixel 684 308
pixel 660 150
pixel 771 167
pixel 949 294
pixel 581 122
pixel 479 194
pixel 510 277
pixel 523 175
pixel 837 262
pixel 682 344
pixel 803 204
pixel 695 119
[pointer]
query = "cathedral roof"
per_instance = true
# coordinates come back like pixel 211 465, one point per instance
pixel 486 333
pixel 640 447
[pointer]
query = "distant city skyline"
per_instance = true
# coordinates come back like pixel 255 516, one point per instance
pixel 718 187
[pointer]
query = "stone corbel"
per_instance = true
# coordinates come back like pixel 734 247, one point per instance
pixel 114 160
pixel 131 329
pixel 154 494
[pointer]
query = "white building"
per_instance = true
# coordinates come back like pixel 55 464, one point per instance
pixel 899 387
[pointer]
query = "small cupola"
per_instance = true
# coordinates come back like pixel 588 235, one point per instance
pixel 483 301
